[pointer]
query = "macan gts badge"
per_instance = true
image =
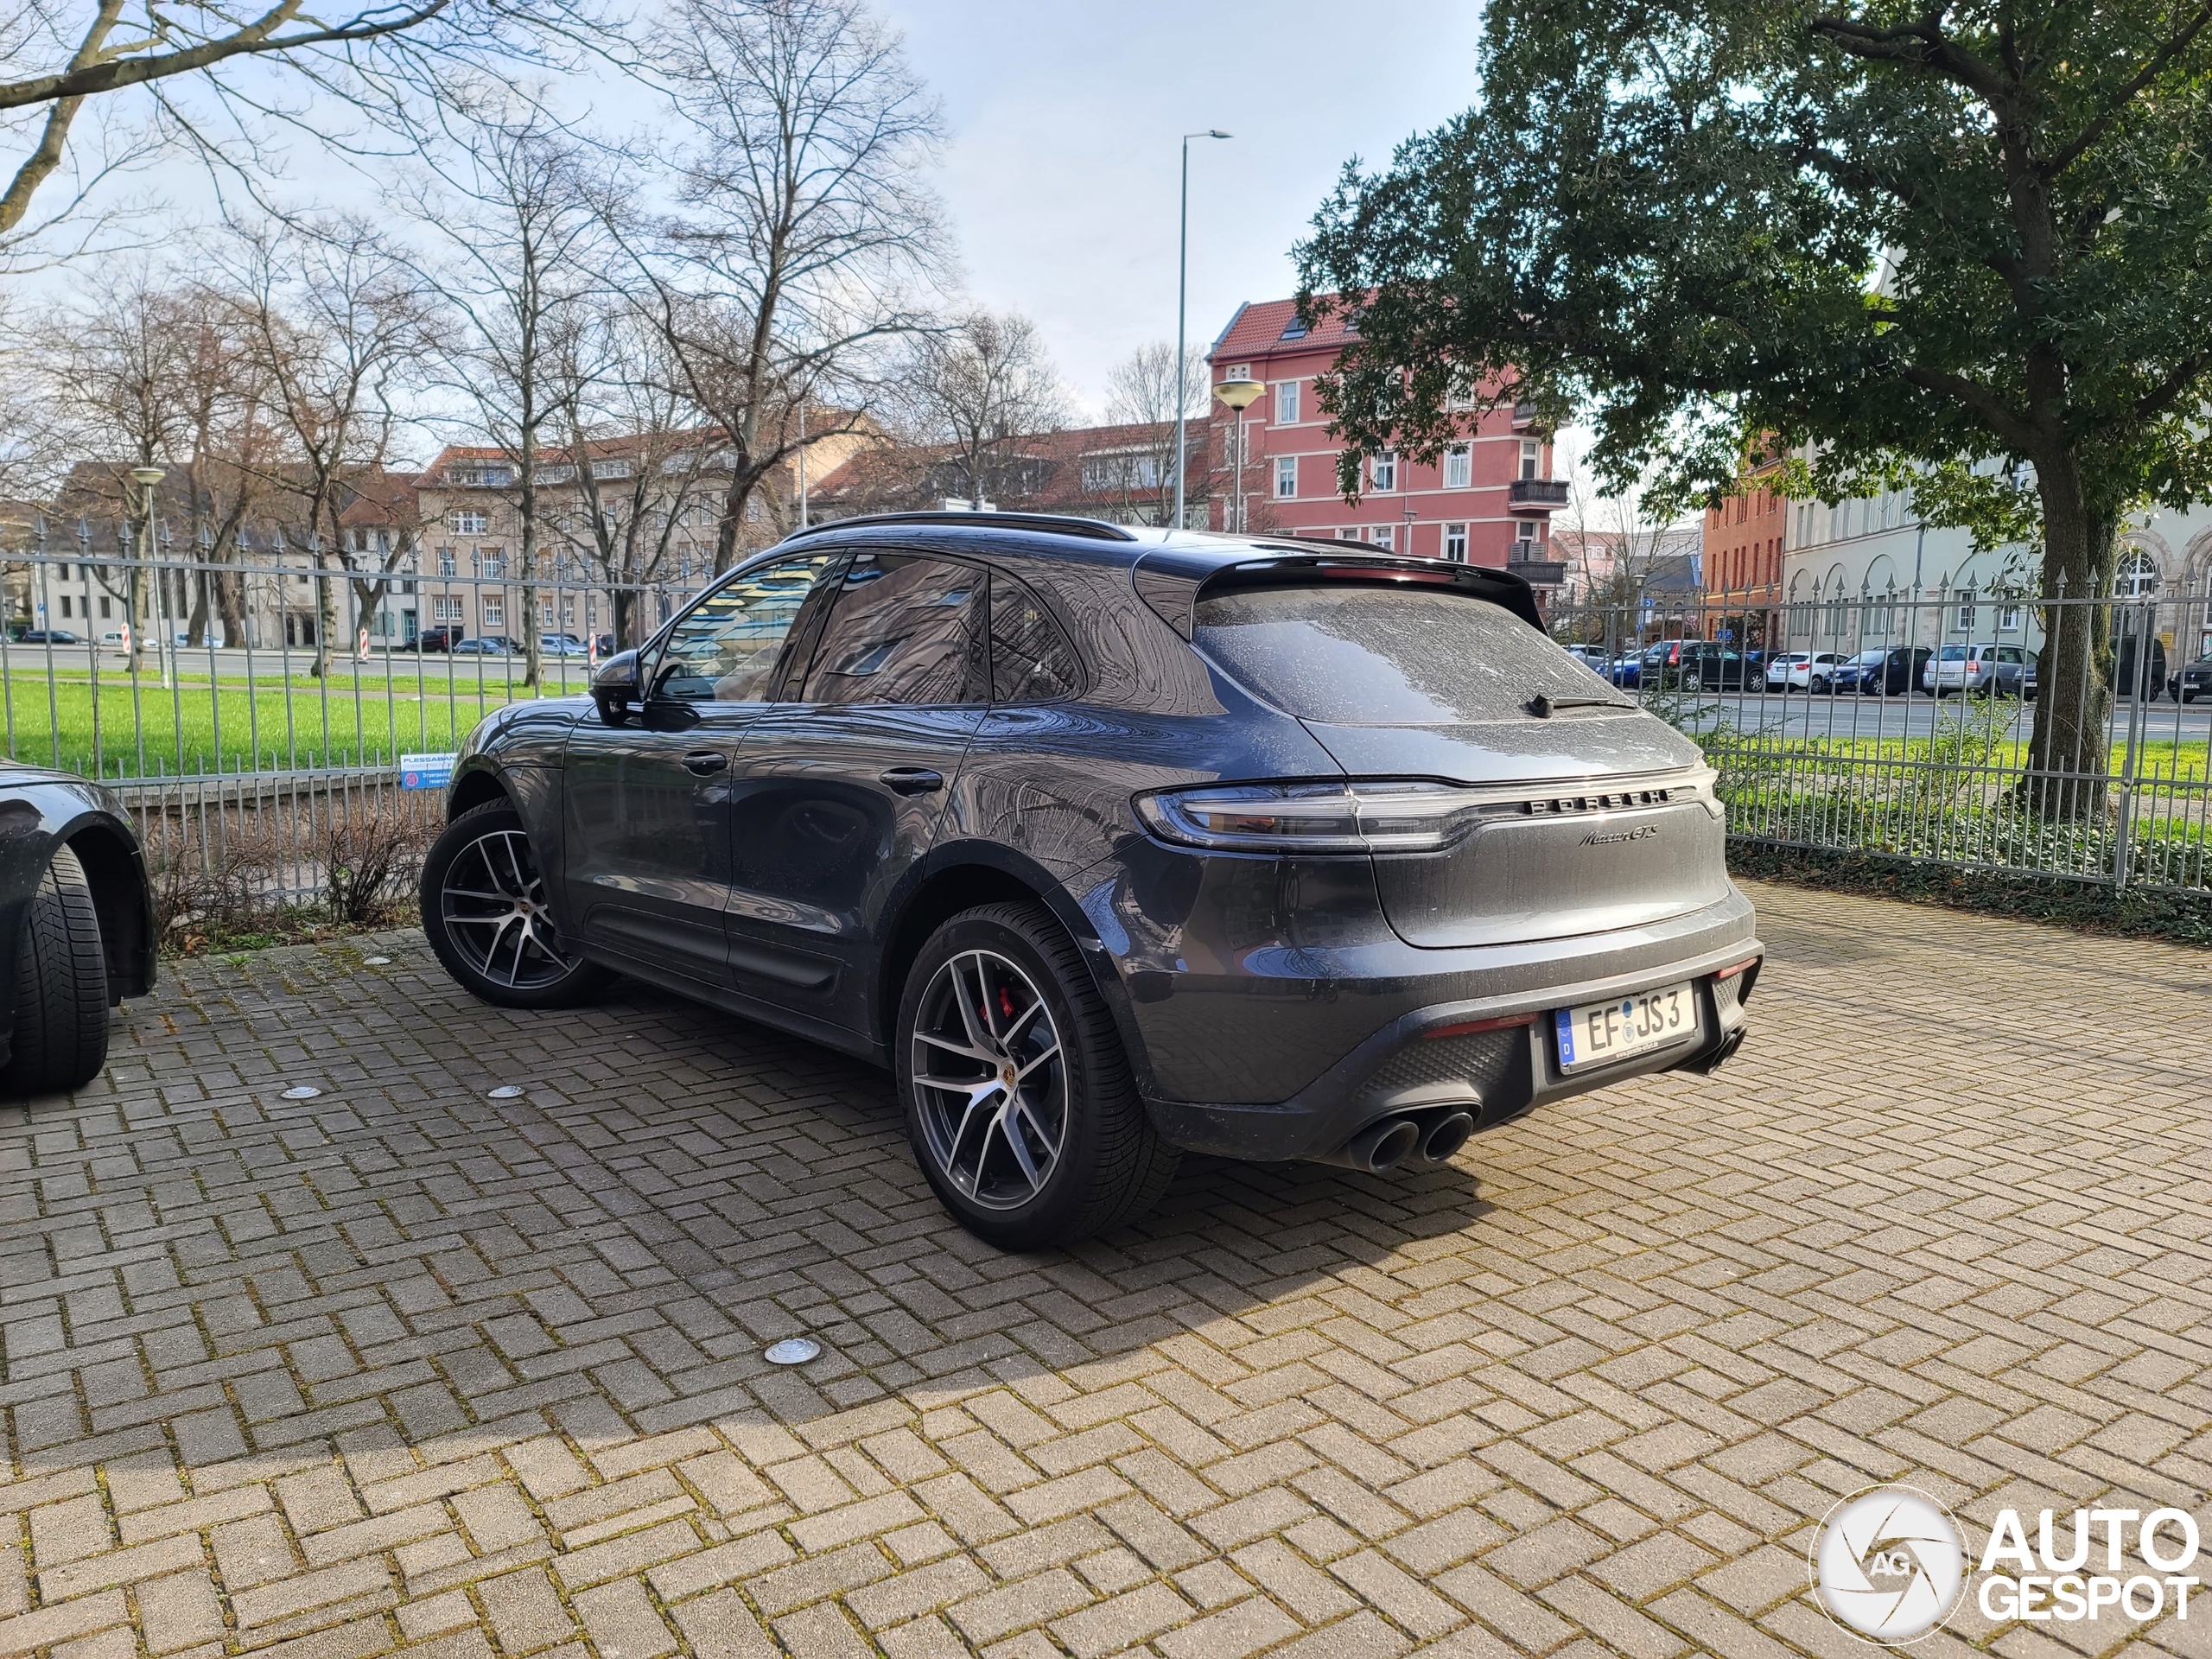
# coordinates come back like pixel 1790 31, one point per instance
pixel 1115 842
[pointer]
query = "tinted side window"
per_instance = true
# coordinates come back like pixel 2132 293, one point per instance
pixel 1031 659
pixel 902 630
pixel 726 649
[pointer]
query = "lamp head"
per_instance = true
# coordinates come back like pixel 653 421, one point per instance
pixel 1239 395
pixel 148 476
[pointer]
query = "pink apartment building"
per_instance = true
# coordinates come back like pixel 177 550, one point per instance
pixel 1487 501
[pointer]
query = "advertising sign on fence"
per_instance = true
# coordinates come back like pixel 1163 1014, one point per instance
pixel 425 771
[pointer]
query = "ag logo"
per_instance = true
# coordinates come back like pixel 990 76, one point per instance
pixel 1889 1563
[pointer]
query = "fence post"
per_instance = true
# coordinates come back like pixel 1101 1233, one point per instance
pixel 2140 640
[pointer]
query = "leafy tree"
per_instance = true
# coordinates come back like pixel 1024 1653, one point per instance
pixel 1961 247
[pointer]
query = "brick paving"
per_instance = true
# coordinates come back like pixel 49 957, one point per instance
pixel 404 1368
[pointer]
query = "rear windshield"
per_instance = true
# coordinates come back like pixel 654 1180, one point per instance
pixel 1352 656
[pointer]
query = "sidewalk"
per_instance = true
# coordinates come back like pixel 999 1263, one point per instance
pixel 403 1366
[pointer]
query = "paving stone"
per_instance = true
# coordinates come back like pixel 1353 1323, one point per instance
pixel 403 1364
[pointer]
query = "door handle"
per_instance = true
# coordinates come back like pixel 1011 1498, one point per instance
pixel 703 761
pixel 912 780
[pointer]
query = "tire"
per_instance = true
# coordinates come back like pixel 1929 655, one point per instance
pixel 62 1000
pixel 511 957
pixel 1041 1017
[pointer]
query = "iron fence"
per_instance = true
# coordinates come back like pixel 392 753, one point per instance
pixel 1923 726
pixel 1904 725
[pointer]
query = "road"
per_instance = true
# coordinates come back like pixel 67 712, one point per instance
pixel 1798 716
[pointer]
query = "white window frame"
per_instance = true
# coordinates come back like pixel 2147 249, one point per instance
pixel 1385 469
pixel 1459 467
pixel 470 521
pixel 1532 458
pixel 1286 473
pixel 2008 618
pixel 1386 538
pixel 1455 542
pixel 1286 402
pixel 495 611
pixel 446 608
pixel 1351 533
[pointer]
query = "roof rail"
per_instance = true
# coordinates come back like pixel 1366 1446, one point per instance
pixel 1054 524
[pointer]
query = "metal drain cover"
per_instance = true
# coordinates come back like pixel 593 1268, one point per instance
pixel 507 1091
pixel 302 1091
pixel 793 1350
pixel 375 962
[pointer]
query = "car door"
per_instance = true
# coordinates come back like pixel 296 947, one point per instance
pixel 837 794
pixel 646 803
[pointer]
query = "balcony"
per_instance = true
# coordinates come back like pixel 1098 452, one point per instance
pixel 1537 573
pixel 1536 495
pixel 1524 417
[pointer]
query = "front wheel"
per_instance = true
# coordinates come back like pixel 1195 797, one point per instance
pixel 1019 1101
pixel 485 915
pixel 61 992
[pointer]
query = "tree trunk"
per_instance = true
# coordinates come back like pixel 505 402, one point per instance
pixel 326 620
pixel 230 605
pixel 2070 756
pixel 626 617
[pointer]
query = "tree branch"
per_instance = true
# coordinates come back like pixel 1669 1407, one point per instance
pixel 2142 79
pixel 2003 420
pixel 82 79
pixel 2167 392
pixel 1922 42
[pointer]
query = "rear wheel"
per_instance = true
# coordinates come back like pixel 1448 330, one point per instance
pixel 485 913
pixel 62 1000
pixel 1017 1096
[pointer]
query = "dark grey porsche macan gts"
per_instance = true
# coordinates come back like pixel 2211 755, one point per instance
pixel 1111 843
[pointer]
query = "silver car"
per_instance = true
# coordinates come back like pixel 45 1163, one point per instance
pixel 1988 669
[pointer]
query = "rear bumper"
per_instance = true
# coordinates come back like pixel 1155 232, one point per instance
pixel 1425 1059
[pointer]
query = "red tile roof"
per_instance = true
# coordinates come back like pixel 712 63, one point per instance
pixel 1256 331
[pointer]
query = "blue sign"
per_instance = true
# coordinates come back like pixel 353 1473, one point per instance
pixel 425 771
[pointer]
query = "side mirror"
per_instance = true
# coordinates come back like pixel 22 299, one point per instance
pixel 616 689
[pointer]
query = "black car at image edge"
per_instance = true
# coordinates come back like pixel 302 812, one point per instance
pixel 1112 843
pixel 76 926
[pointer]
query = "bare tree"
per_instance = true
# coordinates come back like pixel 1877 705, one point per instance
pixel 1141 390
pixel 334 326
pixel 803 228
pixel 619 397
pixel 67 60
pixel 979 390
pixel 521 235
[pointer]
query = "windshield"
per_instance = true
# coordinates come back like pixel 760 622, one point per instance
pixel 1357 656
pixel 1869 657
pixel 1954 653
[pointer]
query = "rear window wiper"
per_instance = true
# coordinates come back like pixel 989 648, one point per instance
pixel 1544 706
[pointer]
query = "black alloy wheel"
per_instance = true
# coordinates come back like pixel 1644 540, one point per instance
pixel 1020 1105
pixel 59 1042
pixel 485 915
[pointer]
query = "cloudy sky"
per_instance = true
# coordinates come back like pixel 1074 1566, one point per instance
pixel 1066 117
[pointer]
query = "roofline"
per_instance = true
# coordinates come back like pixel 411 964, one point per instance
pixel 1243 306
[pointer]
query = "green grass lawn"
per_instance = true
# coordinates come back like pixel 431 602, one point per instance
pixel 200 727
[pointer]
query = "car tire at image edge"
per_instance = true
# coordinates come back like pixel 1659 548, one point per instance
pixel 973 1004
pixel 61 987
pixel 484 913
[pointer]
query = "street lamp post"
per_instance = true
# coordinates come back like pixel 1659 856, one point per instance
pixel 1239 395
pixel 1182 296
pixel 146 478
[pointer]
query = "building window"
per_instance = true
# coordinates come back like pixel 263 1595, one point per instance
pixel 1238 372
pixel 106 610
pixel 495 612
pixel 1532 457
pixel 445 608
pixel 1286 403
pixel 1524 541
pixel 1966 616
pixel 64 604
pixel 1348 533
pixel 1386 470
pixel 1455 542
pixel 445 562
pixel 2008 618
pixel 1458 468
pixel 471 521
pixel 493 563
pixel 1386 538
pixel 1286 477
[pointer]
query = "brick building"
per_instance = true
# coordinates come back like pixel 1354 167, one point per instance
pixel 1487 501
pixel 1124 475
pixel 1744 541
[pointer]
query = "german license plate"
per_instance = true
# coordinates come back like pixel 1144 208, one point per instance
pixel 1619 1030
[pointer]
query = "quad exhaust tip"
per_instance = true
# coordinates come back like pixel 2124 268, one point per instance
pixel 1445 1136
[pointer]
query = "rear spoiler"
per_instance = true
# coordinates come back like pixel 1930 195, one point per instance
pixel 1172 581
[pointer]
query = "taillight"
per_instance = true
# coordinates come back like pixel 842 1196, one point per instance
pixel 1384 817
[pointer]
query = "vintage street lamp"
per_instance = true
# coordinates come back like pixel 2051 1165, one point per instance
pixel 1239 395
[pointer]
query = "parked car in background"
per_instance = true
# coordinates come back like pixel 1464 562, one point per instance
pixel 483 645
pixel 606 644
pixel 113 639
pixel 1891 671
pixel 1983 670
pixel 431 640
pixel 1594 658
pixel 561 644
pixel 2192 682
pixel 1108 842
pixel 2123 674
pixel 76 926
pixel 48 636
pixel 1802 670
pixel 1714 668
